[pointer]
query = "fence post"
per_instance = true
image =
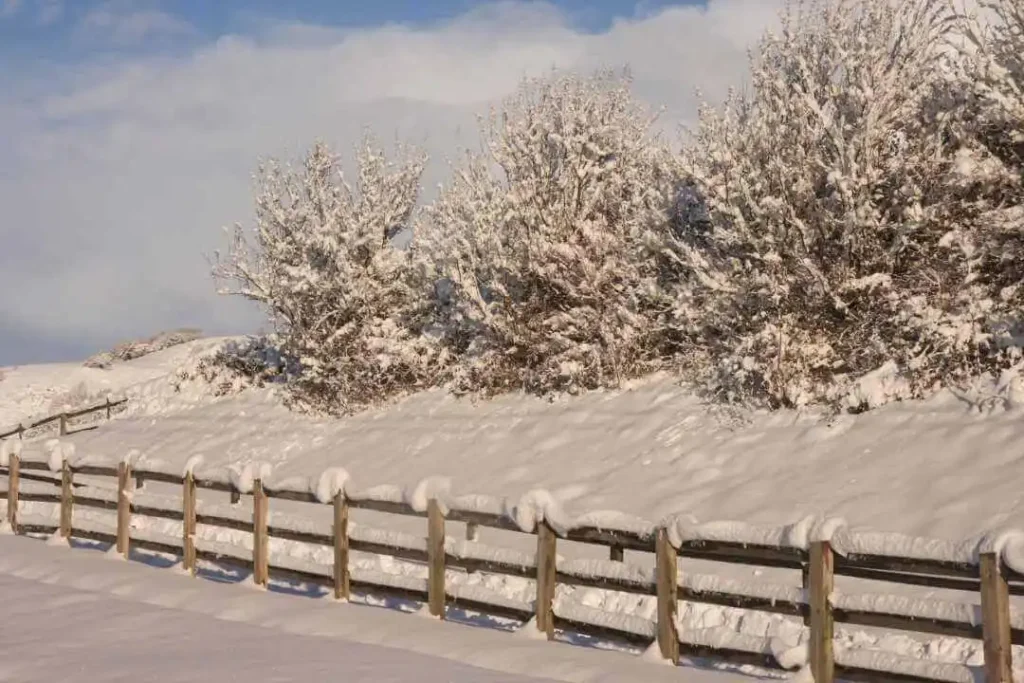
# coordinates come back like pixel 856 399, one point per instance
pixel 124 509
pixel 188 517
pixel 995 614
pixel 435 559
pixel 667 573
pixel 13 478
pixel 472 531
pixel 67 499
pixel 260 554
pixel 617 553
pixel 547 547
pixel 821 581
pixel 108 407
pixel 21 431
pixel 342 587
pixel 236 497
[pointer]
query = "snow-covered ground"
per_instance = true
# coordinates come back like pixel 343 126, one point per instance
pixel 930 468
pixel 938 468
pixel 78 615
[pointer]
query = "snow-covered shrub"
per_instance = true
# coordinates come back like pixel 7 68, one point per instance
pixel 323 265
pixel 142 347
pixel 993 59
pixel 254 362
pixel 835 233
pixel 548 243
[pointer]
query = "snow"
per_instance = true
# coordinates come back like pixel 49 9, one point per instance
pixel 884 661
pixel 9 447
pixel 243 476
pixel 606 460
pixel 432 487
pixel 185 643
pixel 330 483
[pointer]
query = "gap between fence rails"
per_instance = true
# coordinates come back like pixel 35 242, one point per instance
pixel 818 566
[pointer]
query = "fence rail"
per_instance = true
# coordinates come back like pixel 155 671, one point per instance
pixel 63 418
pixel 821 556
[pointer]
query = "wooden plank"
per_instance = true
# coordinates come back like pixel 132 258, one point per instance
pixel 846 565
pixel 95 471
pixel 611 537
pixel 995 615
pixel 188 510
pixel 667 578
pixel 161 477
pixel 342 583
pixel 821 582
pixel 67 499
pixel 546 578
pixel 124 510
pixel 435 559
pixel 260 551
pixel 13 470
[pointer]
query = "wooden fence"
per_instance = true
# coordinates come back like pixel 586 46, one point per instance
pixel 64 419
pixel 820 561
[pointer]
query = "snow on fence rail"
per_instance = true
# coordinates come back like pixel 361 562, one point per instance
pixel 62 419
pixel 991 566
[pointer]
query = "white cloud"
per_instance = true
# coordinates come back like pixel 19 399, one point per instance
pixel 126 22
pixel 118 175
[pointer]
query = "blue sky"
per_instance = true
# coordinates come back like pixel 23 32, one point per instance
pixel 132 127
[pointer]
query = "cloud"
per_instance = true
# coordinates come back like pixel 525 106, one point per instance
pixel 118 174
pixel 126 22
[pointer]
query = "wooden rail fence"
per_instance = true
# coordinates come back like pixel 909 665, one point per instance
pixel 63 419
pixel 820 561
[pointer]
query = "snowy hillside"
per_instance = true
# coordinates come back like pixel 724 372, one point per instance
pixel 932 468
pixel 939 468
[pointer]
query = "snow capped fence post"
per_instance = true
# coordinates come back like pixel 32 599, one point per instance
pixel 13 477
pixel 668 596
pixel 821 581
pixel 188 517
pixel 995 614
pixel 67 498
pixel 547 547
pixel 124 510
pixel 342 587
pixel 435 558
pixel 260 554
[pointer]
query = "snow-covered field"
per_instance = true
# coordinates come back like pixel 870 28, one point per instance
pixel 939 468
pixel 931 468
pixel 78 615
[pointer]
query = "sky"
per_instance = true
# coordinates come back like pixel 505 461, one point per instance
pixel 131 128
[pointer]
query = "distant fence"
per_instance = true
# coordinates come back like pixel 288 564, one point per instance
pixel 63 420
pixel 821 554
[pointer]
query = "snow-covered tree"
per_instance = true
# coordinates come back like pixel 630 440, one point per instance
pixel 549 241
pixel 993 59
pixel 837 232
pixel 345 301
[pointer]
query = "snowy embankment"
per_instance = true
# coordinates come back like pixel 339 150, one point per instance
pixel 928 469
pixel 126 621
